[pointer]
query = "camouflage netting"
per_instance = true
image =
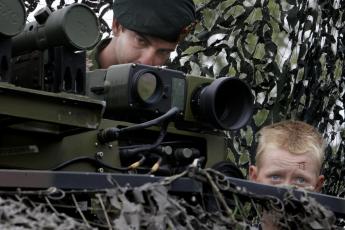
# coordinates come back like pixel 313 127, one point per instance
pixel 151 207
pixel 19 212
pixel 291 53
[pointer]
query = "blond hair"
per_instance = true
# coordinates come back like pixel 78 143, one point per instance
pixel 297 137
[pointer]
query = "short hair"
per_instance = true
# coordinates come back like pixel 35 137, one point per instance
pixel 297 137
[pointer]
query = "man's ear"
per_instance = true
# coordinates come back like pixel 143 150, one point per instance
pixel 116 27
pixel 253 172
pixel 319 183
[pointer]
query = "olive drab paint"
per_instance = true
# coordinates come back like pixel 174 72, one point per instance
pixel 56 116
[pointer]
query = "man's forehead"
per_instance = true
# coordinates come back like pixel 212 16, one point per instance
pixel 274 151
pixel 280 158
pixel 290 163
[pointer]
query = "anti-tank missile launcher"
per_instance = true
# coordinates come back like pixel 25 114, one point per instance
pixel 67 128
pixel 59 117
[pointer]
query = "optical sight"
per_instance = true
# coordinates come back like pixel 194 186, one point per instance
pixel 135 92
pixel 12 14
pixel 75 27
pixel 12 22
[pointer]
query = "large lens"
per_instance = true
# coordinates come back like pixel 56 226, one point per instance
pixel 12 14
pixel 226 103
pixel 147 87
pixel 81 26
pixel 74 26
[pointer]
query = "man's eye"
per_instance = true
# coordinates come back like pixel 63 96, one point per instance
pixel 275 178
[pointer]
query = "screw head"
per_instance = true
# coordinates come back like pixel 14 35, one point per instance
pixel 100 154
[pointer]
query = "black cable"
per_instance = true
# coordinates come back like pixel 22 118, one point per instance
pixel 165 117
pixel 143 148
pixel 111 134
pixel 179 142
pixel 90 160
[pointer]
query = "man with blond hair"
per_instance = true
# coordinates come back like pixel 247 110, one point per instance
pixel 289 153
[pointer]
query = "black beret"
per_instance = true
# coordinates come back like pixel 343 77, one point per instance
pixel 165 19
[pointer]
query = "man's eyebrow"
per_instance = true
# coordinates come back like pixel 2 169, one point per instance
pixel 275 171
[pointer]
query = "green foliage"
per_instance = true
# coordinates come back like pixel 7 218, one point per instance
pixel 292 55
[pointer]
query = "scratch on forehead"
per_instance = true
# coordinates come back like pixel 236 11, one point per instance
pixel 285 163
pixel 301 165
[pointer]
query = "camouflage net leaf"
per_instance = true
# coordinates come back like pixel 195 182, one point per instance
pixel 21 214
pixel 151 206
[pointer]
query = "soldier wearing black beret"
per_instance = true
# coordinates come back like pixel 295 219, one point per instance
pixel 145 31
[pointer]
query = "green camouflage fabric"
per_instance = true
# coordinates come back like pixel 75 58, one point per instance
pixel 92 62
